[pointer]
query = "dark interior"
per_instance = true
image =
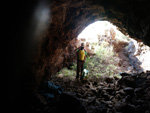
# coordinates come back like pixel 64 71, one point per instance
pixel 33 57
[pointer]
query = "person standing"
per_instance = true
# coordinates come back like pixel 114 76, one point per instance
pixel 81 57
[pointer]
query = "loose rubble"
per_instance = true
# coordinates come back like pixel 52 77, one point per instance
pixel 130 94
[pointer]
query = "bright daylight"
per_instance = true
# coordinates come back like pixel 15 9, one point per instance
pixel 110 52
pixel 79 56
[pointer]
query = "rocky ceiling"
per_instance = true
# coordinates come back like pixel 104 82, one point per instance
pixel 43 43
pixel 67 19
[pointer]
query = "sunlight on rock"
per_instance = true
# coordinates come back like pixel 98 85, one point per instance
pixel 103 37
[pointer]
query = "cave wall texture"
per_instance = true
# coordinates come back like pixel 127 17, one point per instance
pixel 36 57
pixel 69 18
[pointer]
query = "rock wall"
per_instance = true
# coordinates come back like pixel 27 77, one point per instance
pixel 139 55
pixel 69 18
pixel 35 60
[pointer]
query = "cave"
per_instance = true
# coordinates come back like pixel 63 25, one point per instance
pixel 41 30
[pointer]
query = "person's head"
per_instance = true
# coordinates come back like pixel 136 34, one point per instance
pixel 82 46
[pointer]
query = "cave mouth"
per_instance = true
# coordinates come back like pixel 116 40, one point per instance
pixel 108 90
pixel 110 52
pixel 95 95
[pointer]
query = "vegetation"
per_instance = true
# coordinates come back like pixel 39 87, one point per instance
pixel 68 72
pixel 103 63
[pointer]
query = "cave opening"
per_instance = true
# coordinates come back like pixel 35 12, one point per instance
pixel 110 52
pixel 130 94
pixel 114 66
pixel 104 78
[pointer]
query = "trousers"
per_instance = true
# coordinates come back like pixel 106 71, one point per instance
pixel 80 67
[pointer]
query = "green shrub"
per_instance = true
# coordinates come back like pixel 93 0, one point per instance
pixel 103 63
pixel 67 72
pixel 74 66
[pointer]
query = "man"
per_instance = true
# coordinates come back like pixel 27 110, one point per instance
pixel 81 57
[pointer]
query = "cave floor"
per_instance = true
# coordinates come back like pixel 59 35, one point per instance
pixel 129 94
pixel 109 94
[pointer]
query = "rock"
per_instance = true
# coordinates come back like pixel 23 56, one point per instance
pixel 95 83
pixel 79 95
pixel 124 74
pixel 38 110
pixel 121 92
pixel 41 98
pixel 60 75
pixel 118 107
pixel 106 96
pixel 68 103
pixel 97 109
pixel 148 77
pixel 109 79
pixel 87 86
pixel 128 81
pixel 148 72
pixel 125 108
pixel 139 91
pixel 116 78
pixel 139 81
pixel 142 108
pixel 109 90
pixel 147 95
pixel 148 111
pixel 131 95
pixel 118 97
pixel 129 108
pixel 140 102
pixel 91 101
pixel 128 99
pixel 129 90
pixel 94 90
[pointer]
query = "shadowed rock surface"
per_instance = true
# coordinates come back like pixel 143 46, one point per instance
pixel 130 94
pixel 36 55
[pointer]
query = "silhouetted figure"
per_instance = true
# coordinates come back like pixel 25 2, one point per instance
pixel 81 57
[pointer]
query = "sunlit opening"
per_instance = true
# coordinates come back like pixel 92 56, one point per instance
pixel 96 28
pixel 119 52
pixel 100 29
pixel 110 52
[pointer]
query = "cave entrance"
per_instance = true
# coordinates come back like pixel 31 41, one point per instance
pixel 109 52
pixel 114 51
pixel 107 57
pixel 106 49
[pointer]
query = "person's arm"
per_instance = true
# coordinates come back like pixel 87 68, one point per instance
pixel 85 55
pixel 84 58
pixel 76 49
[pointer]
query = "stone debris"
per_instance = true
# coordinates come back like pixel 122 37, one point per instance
pixel 130 94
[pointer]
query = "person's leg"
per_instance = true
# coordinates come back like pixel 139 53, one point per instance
pixel 77 76
pixel 82 66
